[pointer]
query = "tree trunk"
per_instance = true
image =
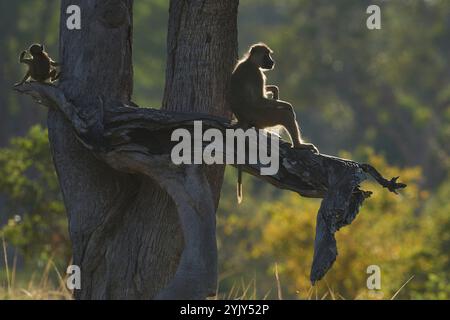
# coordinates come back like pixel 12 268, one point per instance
pixel 202 49
pixel 124 227
pixel 142 226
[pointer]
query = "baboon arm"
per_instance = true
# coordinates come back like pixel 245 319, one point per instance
pixel 22 58
pixel 25 60
pixel 275 91
pixel 54 63
pixel 272 103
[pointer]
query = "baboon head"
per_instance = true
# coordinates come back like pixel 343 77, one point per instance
pixel 36 49
pixel 260 54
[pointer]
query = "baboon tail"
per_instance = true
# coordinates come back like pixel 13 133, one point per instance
pixel 239 185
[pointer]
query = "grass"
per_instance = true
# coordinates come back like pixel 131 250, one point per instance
pixel 50 284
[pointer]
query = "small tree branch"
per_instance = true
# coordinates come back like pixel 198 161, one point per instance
pixel 137 140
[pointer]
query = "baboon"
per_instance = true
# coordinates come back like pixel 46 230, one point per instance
pixel 250 102
pixel 41 67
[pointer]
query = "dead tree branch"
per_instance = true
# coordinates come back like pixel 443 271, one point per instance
pixel 137 140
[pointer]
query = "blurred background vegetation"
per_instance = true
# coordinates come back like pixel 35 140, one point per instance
pixel 377 96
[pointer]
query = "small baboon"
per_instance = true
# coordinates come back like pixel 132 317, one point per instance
pixel 250 102
pixel 41 67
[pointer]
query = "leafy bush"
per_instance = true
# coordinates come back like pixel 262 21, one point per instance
pixel 393 232
pixel 37 223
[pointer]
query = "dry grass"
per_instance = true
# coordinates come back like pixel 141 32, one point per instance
pixel 41 287
pixel 45 287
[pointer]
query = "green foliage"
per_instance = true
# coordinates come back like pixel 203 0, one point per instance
pixel 352 88
pixel 22 23
pixel 436 283
pixel 391 231
pixel 37 223
pixel 398 233
pixel 149 54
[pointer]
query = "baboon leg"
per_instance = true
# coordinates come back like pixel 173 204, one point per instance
pixel 27 75
pixel 54 75
pixel 283 114
pixel 290 123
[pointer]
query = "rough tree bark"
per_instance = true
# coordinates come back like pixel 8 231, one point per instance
pixel 142 227
pixel 124 227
